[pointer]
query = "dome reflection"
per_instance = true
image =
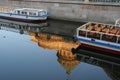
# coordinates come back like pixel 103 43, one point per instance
pixel 67 60
pixel 53 42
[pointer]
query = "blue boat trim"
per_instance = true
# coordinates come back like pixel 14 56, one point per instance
pixel 20 19
pixel 46 15
pixel 99 43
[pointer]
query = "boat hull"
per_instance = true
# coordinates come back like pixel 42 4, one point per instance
pixel 98 49
pixel 23 20
pixel 99 46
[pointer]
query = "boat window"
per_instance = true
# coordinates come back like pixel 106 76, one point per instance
pixel 39 14
pixel 15 11
pixel 42 13
pixel 119 40
pixel 24 12
pixel 91 34
pixel 32 14
pixel 18 12
pixel 110 38
pixel 96 35
pixel 82 33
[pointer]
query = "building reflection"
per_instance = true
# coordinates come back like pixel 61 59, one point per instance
pixel 68 61
pixel 52 42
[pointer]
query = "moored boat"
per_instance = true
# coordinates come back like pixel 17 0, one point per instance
pixel 26 15
pixel 99 37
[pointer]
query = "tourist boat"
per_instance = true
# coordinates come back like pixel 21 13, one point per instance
pixel 26 15
pixel 99 37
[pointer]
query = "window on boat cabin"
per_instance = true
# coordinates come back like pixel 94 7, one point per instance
pixel 32 14
pixel 119 39
pixel 92 34
pixel 18 12
pixel 23 12
pixel 96 35
pixel 82 33
pixel 15 11
pixel 42 13
pixel 110 38
pixel 39 14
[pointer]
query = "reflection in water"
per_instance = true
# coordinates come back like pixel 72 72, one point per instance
pixel 53 42
pixel 111 67
pixel 21 27
pixel 66 62
pixel 66 58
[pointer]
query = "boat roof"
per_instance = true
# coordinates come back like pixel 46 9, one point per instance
pixel 30 9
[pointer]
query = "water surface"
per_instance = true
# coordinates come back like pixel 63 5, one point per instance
pixel 33 55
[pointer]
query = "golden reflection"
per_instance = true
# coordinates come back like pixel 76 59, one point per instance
pixel 53 42
pixel 68 61
pixel 32 37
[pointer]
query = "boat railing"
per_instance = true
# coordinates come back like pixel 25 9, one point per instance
pixel 99 35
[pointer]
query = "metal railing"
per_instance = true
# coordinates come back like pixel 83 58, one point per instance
pixel 105 1
pixel 111 2
pixel 100 2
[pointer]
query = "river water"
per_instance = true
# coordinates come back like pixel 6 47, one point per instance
pixel 44 52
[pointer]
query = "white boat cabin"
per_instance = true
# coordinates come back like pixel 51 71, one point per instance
pixel 30 12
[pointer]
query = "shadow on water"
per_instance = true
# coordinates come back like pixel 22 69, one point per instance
pixel 52 26
pixel 68 55
pixel 110 64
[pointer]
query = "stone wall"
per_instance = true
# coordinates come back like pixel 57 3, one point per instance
pixel 73 11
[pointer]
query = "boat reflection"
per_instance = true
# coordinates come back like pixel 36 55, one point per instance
pixel 21 27
pixel 109 64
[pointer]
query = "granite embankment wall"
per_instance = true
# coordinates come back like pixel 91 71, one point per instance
pixel 78 10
